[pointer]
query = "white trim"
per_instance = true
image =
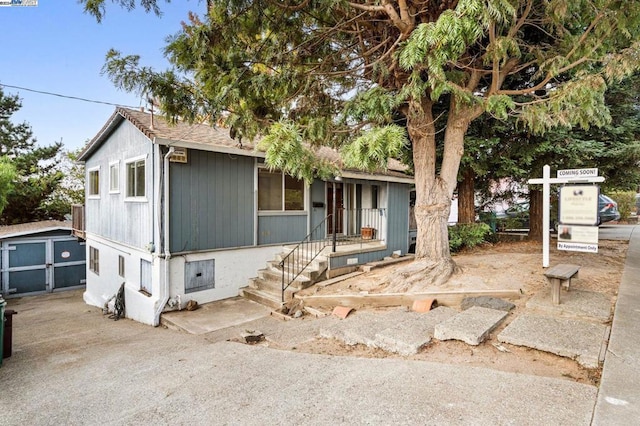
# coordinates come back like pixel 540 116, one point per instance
pixel 127 162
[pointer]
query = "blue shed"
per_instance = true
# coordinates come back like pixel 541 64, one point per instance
pixel 40 257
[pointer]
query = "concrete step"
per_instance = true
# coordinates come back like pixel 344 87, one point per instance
pixel 266 299
pixel 320 262
pixel 301 282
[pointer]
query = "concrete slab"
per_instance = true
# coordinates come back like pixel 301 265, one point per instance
pixel 487 302
pixel 361 327
pixel 215 315
pixel 413 332
pixel 471 326
pixel 572 338
pixel 575 303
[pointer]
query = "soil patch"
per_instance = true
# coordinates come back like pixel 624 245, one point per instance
pixel 511 265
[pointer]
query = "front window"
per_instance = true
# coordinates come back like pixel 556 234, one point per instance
pixel 279 192
pixel 136 178
pixel 94 182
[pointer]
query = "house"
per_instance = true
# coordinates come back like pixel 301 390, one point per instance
pixel 40 257
pixel 184 212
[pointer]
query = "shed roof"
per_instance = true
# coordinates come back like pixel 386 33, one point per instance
pixel 31 228
pixel 208 138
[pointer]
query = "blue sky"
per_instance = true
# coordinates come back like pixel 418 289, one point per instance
pixel 55 47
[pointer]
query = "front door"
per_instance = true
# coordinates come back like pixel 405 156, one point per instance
pixel 337 187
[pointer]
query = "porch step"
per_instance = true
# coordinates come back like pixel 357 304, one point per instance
pixel 302 281
pixel 274 288
pixel 320 262
pixel 266 299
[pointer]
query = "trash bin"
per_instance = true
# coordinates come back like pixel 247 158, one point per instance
pixel 2 305
pixel 7 338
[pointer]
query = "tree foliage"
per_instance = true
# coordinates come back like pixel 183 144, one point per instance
pixel 7 180
pixel 342 72
pixel 36 176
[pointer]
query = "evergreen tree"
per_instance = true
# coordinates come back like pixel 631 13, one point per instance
pixel 37 177
pixel 339 73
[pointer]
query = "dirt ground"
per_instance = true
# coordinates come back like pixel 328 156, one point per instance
pixel 506 265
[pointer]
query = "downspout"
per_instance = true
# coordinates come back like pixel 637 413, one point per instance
pixel 164 292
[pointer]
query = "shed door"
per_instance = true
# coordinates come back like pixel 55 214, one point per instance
pixel 27 266
pixel 37 266
pixel 68 264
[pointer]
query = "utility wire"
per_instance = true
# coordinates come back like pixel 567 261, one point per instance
pixel 64 96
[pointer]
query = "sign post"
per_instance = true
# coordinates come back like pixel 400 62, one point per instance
pixel 568 176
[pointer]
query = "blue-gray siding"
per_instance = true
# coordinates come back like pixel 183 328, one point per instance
pixel 110 216
pixel 282 229
pixel 398 222
pixel 211 202
pixel 319 212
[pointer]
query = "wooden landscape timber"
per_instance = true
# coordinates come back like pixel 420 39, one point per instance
pixel 446 298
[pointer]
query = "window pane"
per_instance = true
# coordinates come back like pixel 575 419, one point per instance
pixel 293 193
pixel 94 182
pixel 131 179
pixel 121 266
pixel 269 190
pixel 113 178
pixel 140 183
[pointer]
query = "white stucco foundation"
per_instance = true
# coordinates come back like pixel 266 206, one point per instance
pixel 233 269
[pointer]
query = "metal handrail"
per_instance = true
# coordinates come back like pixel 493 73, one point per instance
pixel 362 220
pixel 299 252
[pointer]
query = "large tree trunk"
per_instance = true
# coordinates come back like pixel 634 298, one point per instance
pixel 466 197
pixel 433 264
pixel 535 215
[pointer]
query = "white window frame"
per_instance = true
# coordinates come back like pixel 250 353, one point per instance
pixel 282 209
pixel 114 184
pixel 94 260
pixel 90 172
pixel 127 162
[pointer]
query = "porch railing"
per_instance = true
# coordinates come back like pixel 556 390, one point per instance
pixel 352 226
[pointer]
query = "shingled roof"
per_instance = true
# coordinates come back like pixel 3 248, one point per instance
pixel 209 138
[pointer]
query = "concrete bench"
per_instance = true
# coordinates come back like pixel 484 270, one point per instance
pixel 560 275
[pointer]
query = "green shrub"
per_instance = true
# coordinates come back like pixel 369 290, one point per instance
pixel 626 203
pixel 468 235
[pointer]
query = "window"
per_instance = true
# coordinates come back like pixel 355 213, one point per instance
pixel 121 265
pixel 94 260
pixel 114 177
pixel 94 182
pixel 146 276
pixel 277 191
pixel 136 179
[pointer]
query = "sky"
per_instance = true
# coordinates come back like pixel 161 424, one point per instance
pixel 56 47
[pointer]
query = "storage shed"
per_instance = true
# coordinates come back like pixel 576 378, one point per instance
pixel 40 257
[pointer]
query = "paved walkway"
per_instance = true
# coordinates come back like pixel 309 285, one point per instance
pixel 618 400
pixel 71 365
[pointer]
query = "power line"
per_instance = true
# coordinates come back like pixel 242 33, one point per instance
pixel 42 92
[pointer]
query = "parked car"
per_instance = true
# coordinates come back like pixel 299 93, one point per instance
pixel 607 209
pixel 517 216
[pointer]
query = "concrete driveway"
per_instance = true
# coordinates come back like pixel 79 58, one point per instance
pixel 71 365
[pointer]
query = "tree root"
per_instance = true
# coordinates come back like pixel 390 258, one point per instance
pixel 420 275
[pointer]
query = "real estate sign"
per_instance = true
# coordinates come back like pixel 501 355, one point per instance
pixel 579 205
